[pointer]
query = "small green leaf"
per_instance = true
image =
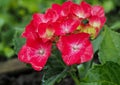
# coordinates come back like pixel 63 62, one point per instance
pixel 9 52
pixel 52 80
pixel 98 83
pixel 106 74
pixel 1 46
pixel 96 43
pixel 110 47
pixel 18 41
pixel 108 5
pixel 1 22
pixel 83 68
pixel 115 26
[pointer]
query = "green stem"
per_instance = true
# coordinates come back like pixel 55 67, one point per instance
pixel 76 80
pixel 72 73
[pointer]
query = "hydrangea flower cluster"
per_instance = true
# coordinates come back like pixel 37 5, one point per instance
pixel 70 26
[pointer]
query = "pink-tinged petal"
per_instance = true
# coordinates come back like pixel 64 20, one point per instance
pixel 98 11
pixel 30 30
pixel 88 53
pixel 32 27
pixel 77 11
pixel 60 44
pixel 38 62
pixel 75 48
pixel 36 55
pixel 69 41
pixel 40 18
pixel 64 26
pixel 82 11
pixel 86 7
pixel 45 31
pixel 24 54
pixel 64 9
pixel 97 22
pixel 34 42
pixel 57 8
pixel 51 15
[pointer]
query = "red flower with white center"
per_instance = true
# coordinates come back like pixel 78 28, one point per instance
pixel 65 25
pixel 62 22
pixel 97 11
pixel 97 22
pixel 45 31
pixel 35 52
pixel 82 11
pixel 75 48
pixel 64 9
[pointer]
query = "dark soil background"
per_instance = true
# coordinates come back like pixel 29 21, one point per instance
pixel 26 77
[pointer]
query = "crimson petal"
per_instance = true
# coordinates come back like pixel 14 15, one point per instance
pixel 75 48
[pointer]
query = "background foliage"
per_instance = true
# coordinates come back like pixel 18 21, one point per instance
pixel 105 67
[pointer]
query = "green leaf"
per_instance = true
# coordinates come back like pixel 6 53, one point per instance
pixel 110 47
pixel 32 7
pixel 106 74
pixel 96 43
pixel 108 5
pixel 116 25
pixel 98 83
pixel 55 78
pixel 9 52
pixel 1 22
pixel 7 35
pixel 77 1
pixel 1 48
pixel 83 68
pixel 18 41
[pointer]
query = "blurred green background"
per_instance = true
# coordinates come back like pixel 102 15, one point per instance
pixel 16 14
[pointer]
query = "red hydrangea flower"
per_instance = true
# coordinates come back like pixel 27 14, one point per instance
pixel 75 48
pixel 35 52
pixel 65 25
